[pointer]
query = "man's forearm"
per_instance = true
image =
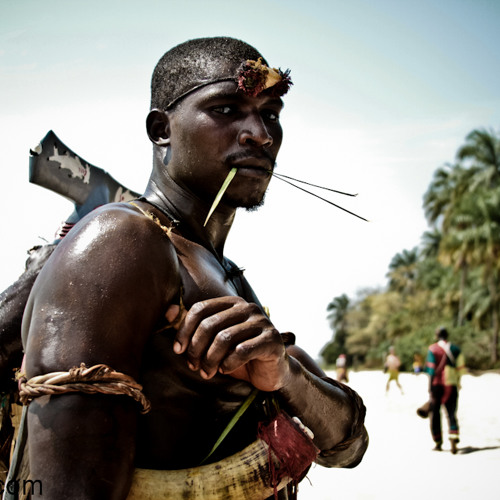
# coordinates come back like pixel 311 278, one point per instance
pixel 333 411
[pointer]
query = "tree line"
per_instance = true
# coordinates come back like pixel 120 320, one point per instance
pixel 450 279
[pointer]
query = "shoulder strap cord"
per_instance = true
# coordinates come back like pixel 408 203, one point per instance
pixel 163 210
pixel 442 362
pixel 150 215
pixel 167 231
pixel 447 350
pixel 96 379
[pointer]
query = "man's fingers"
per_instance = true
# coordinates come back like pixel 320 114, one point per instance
pixel 230 335
pixel 194 317
pixel 223 344
pixel 207 321
pixel 263 348
pixel 213 339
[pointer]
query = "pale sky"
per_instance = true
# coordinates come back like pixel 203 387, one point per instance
pixel 384 93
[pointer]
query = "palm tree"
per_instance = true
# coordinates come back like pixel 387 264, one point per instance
pixel 441 201
pixel 448 186
pixel 337 312
pixel 430 243
pixel 487 254
pixel 456 201
pixel 402 271
pixel 337 318
pixel 438 195
pixel 482 151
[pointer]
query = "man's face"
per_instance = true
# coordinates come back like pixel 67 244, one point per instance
pixel 215 129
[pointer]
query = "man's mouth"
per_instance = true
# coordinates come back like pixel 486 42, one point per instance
pixel 259 163
pixel 253 171
pixel 252 166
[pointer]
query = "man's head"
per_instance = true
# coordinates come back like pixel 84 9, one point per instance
pixel 442 333
pixel 214 109
pixel 199 62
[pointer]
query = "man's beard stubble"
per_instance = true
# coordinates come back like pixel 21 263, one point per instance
pixel 256 206
pixel 251 207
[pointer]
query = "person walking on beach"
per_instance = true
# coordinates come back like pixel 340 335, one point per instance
pixel 445 364
pixel 341 364
pixel 418 363
pixel 392 365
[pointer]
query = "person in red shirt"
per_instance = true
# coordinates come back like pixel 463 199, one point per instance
pixel 445 364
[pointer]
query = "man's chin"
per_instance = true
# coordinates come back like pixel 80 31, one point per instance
pixel 252 207
pixel 248 205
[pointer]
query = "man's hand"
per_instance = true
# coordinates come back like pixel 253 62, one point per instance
pixel 233 337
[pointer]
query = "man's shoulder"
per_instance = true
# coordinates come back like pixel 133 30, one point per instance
pixel 436 350
pixel 124 221
pixel 122 212
pixel 115 238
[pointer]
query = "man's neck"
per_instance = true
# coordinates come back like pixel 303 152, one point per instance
pixel 191 212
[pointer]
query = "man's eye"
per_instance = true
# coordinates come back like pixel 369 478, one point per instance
pixel 223 110
pixel 272 116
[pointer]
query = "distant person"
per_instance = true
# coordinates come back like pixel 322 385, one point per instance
pixel 445 364
pixel 392 365
pixel 341 364
pixel 418 363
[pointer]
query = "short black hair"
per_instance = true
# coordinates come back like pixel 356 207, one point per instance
pixel 442 333
pixel 195 63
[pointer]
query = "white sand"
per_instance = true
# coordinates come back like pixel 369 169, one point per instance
pixel 400 463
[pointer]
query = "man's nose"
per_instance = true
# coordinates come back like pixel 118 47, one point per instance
pixel 255 133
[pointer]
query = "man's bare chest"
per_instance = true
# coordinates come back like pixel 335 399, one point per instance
pixel 203 275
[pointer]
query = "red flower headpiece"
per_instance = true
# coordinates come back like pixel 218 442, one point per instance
pixel 254 77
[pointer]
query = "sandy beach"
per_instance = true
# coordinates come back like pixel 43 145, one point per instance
pixel 400 463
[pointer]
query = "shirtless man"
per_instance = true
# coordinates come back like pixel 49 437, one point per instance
pixel 392 365
pixel 145 289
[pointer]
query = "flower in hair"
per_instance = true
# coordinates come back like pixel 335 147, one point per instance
pixel 254 77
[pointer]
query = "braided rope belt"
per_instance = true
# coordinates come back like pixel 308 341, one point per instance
pixel 95 379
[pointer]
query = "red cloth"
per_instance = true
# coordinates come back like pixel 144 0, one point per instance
pixel 292 448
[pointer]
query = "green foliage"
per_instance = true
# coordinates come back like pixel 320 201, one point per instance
pixel 330 353
pixel 337 318
pixel 452 279
pixel 476 346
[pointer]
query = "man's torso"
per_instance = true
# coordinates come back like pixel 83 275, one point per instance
pixel 189 413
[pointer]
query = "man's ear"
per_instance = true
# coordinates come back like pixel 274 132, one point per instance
pixel 158 127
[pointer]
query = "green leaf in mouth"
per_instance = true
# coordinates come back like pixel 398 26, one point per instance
pixel 221 192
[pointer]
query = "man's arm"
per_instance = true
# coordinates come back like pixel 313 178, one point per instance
pixel 96 301
pixel 333 411
pixel 234 337
pixel 430 366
